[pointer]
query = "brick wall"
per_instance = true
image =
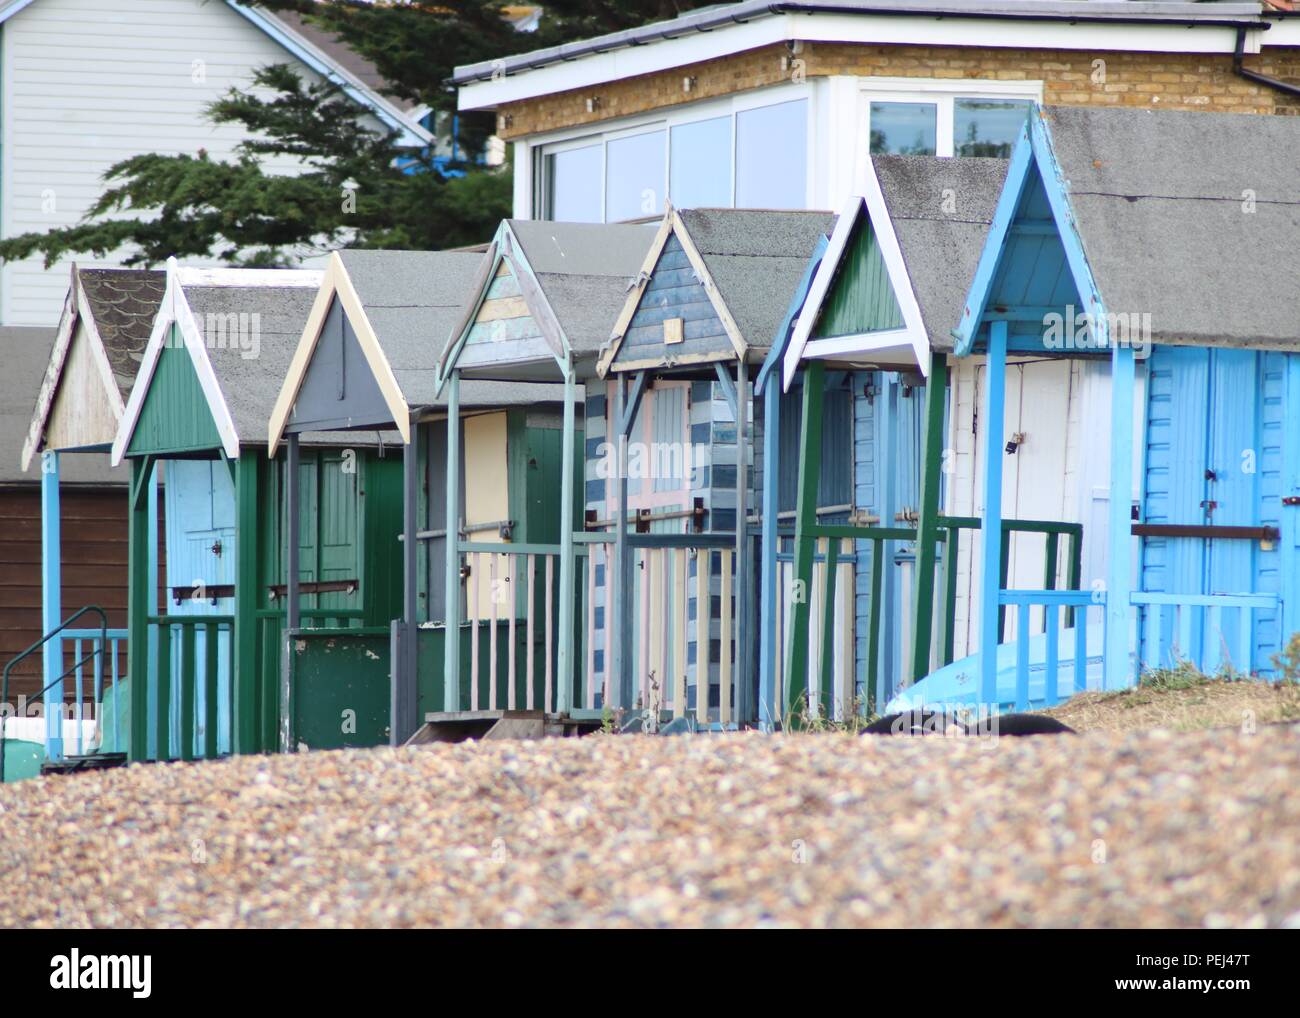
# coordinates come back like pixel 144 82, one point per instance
pixel 1179 81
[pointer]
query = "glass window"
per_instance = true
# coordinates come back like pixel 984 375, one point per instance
pixel 987 127
pixel 573 185
pixel 701 164
pixel 772 156
pixel 634 177
pixel 906 129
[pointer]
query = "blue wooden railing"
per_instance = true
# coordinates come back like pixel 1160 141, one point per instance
pixel 1194 617
pixel 1074 605
pixel 99 640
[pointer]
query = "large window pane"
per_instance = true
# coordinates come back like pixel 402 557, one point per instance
pixel 906 129
pixel 701 164
pixel 634 176
pixel 987 127
pixel 772 156
pixel 573 185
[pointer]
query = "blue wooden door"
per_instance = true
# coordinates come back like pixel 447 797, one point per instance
pixel 1214 451
pixel 199 515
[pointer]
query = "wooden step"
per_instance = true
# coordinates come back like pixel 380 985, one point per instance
pixel 88 762
pixel 485 725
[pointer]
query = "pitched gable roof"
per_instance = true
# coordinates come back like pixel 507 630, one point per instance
pixel 239 327
pixel 941 210
pixel 743 263
pixel 926 219
pixel 1186 222
pixel 114 309
pixel 401 306
pixel 1169 202
pixel 583 270
pixel 571 279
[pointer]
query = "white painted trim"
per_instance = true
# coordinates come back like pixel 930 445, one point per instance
pixel 632 61
pixel 175 310
pixel 99 354
pixel 198 352
pixel 53 371
pixel 672 225
pixel 872 201
pixel 161 324
pixel 76 311
pixel 192 276
pixel 334 282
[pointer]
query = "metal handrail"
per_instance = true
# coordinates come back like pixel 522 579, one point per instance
pixel 4 684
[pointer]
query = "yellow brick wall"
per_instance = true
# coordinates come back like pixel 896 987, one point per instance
pixel 1176 81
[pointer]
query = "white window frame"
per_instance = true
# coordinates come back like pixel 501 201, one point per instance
pixel 665 120
pixel 941 93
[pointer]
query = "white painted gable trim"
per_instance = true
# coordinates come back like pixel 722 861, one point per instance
pixel 336 282
pixel 175 310
pixel 803 347
pixel 50 384
pixel 76 311
pixel 672 225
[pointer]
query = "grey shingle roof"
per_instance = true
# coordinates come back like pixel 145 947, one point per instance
pixel 124 303
pixel 1161 200
pixel 756 258
pixel 584 270
pixel 251 356
pixel 413 299
pixel 941 248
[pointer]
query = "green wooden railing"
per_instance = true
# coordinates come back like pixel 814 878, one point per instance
pixel 828 540
pixel 177 670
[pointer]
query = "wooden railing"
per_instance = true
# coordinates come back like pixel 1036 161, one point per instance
pixel 1177 628
pixel 1055 605
pixel 190 649
pixel 510 593
pixel 108 663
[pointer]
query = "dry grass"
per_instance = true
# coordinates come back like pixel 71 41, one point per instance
pixel 1183 700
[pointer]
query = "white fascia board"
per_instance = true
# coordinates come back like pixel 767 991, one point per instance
pixel 191 276
pixel 629 62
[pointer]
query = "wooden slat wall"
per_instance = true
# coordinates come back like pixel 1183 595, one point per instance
pixel 94 568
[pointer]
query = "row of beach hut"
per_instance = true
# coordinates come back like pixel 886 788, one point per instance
pixel 997 432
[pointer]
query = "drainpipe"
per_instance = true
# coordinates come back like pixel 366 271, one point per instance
pixel 1238 68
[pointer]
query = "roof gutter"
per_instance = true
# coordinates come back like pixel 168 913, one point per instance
pixel 487 70
pixel 1239 68
pixel 1070 19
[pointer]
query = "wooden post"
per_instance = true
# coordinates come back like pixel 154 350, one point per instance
pixel 769 711
pixel 293 612
pixel 138 607
pixel 927 529
pixel 1117 673
pixel 991 525
pixel 568 563
pixel 404 686
pixel 744 658
pixel 52 601
pixel 253 731
pixel 616 578
pixel 451 574
pixel 810 447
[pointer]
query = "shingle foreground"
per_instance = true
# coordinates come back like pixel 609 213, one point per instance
pixel 1139 830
